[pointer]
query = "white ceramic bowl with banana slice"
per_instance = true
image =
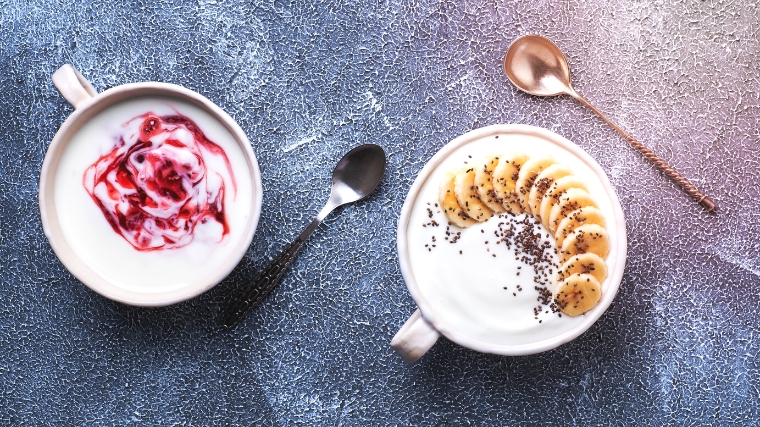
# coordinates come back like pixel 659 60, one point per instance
pixel 482 263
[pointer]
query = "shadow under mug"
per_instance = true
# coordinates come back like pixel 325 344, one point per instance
pixel 87 103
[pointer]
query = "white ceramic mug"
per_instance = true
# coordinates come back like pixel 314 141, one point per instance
pixel 87 104
pixel 428 323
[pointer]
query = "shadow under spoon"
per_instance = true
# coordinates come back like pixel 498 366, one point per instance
pixel 536 66
pixel 355 176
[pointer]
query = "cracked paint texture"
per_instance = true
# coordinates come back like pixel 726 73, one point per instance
pixel 307 81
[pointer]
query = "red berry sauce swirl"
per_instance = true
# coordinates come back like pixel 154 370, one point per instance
pixel 155 187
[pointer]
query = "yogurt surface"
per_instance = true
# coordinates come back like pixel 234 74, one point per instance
pixel 213 217
pixel 487 291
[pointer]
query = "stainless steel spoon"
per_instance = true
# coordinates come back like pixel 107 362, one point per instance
pixel 355 176
pixel 536 65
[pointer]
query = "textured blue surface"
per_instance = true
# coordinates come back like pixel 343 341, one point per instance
pixel 309 80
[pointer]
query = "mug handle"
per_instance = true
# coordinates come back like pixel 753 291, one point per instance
pixel 415 338
pixel 73 86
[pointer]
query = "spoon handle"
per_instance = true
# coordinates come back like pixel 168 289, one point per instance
pixel 263 284
pixel 687 186
pixel 268 278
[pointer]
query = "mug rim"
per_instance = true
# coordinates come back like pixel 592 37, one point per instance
pixel 48 215
pixel 436 319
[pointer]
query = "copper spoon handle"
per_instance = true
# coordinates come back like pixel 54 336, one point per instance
pixel 687 186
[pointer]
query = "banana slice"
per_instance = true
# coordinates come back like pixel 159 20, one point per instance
pixel 527 177
pixel 449 204
pixel 505 178
pixel 468 197
pixel 553 194
pixel 572 199
pixel 588 238
pixel 578 294
pixel 543 183
pixel 576 218
pixel 588 263
pixel 484 183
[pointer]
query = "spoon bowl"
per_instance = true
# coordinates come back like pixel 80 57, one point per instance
pixel 358 173
pixel 536 65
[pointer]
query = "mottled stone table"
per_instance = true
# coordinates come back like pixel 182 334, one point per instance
pixel 307 80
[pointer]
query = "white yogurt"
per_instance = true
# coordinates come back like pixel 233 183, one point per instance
pixel 467 290
pixel 91 236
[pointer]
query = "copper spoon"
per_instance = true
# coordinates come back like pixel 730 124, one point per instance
pixel 536 65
